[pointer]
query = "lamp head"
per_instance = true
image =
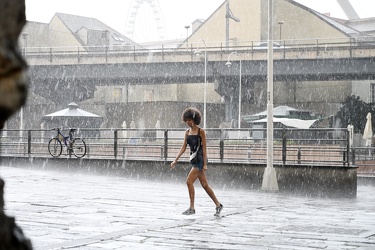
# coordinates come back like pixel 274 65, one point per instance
pixel 197 52
pixel 228 64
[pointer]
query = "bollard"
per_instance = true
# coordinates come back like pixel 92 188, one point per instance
pixel 165 145
pixel 29 142
pixel 349 145
pixel 221 150
pixel 88 151
pixel 115 146
pixel 299 155
pixel 249 154
pixel 353 156
pixel 284 148
pixel 221 145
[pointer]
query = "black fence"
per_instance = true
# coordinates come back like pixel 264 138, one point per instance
pixel 290 146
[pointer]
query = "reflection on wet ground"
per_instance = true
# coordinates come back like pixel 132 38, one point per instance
pixel 60 210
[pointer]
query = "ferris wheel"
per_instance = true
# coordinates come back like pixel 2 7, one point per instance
pixel 145 21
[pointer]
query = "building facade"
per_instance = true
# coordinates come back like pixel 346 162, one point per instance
pixel 146 104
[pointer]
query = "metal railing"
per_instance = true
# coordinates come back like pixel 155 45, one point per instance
pixel 286 49
pixel 291 146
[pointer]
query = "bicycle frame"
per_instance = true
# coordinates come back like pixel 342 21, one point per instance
pixel 63 138
pixel 74 145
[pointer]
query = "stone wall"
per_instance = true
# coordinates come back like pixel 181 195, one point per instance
pixel 300 180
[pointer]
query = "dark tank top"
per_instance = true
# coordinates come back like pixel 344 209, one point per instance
pixel 192 141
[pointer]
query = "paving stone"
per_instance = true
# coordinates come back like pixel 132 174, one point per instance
pixel 62 210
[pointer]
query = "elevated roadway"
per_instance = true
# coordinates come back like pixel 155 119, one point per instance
pixel 54 70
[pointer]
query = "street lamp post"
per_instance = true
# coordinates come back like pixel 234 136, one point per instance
pixel 229 64
pixel 198 52
pixel 187 36
pixel 228 15
pixel 269 182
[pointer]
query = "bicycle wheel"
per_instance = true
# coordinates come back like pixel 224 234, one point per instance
pixel 55 147
pixel 79 147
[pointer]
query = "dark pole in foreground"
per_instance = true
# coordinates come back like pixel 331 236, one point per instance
pixel 13 92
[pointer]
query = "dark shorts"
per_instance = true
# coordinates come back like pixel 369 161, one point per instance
pixel 198 165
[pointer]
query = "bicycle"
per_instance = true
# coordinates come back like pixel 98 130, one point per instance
pixel 77 146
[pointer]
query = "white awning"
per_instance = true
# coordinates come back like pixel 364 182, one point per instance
pixel 72 111
pixel 294 123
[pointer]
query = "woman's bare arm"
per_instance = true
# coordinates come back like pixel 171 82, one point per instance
pixel 182 150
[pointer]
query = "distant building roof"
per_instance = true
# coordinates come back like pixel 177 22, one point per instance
pixel 76 23
pixel 344 28
pixel 196 24
pixel 336 24
pixel 364 25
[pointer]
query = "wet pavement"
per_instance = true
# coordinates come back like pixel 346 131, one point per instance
pixel 60 210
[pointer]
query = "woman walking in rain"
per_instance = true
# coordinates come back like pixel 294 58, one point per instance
pixel 195 137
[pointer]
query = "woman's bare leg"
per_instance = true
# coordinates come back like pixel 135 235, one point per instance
pixel 203 180
pixel 193 175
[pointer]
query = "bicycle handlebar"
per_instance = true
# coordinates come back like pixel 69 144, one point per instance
pixel 70 129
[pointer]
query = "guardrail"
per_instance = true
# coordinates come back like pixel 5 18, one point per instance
pixel 303 48
pixel 291 146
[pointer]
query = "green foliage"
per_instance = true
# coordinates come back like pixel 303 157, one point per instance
pixel 354 111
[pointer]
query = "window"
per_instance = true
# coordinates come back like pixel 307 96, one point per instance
pixel 118 38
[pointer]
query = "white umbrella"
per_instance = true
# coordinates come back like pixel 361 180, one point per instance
pixel 72 111
pixel 159 132
pixel 367 133
pixel 124 134
pixel 132 133
pixel 73 117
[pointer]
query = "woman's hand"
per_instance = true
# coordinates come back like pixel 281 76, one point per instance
pixel 204 167
pixel 173 163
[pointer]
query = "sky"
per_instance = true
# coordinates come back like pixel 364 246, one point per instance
pixel 176 13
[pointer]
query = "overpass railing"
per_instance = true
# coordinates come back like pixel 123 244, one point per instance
pixel 285 49
pixel 291 146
